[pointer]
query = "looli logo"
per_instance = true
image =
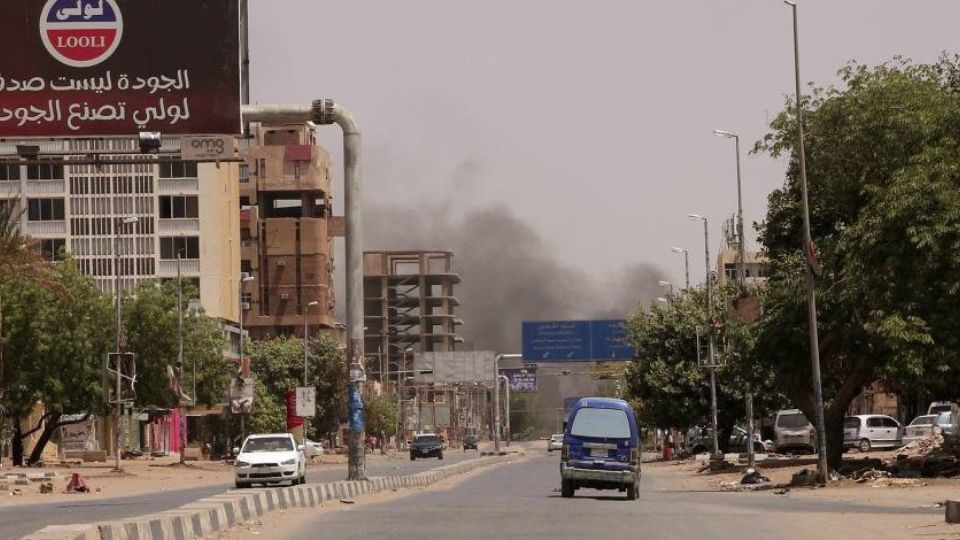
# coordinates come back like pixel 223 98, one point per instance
pixel 81 33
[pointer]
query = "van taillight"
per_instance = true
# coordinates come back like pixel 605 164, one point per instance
pixel 634 456
pixel 564 452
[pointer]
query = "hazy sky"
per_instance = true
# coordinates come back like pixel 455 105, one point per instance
pixel 593 120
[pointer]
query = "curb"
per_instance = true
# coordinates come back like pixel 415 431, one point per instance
pixel 206 516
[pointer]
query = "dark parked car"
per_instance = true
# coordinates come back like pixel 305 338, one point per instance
pixel 426 445
pixel 470 442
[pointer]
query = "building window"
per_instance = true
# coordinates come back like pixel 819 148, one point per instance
pixel 45 171
pixel 9 172
pixel 244 173
pixel 178 206
pixel 52 248
pixel 177 169
pixel 45 210
pixel 187 246
pixel 245 266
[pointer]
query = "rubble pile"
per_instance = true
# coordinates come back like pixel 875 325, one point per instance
pixel 935 456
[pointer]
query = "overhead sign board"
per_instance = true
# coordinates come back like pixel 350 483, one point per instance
pixel 556 341
pixel 76 68
pixel 608 341
pixel 454 366
pixel 575 341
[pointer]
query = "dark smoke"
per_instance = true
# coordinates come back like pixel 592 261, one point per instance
pixel 509 273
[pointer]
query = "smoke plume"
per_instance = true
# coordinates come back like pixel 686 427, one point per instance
pixel 509 273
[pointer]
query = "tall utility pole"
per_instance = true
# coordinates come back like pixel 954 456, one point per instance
pixel 506 389
pixel 711 360
pixel 119 224
pixel 306 346
pixel 244 278
pixel 742 285
pixel 183 425
pixel 808 250
pixel 496 396
pixel 686 262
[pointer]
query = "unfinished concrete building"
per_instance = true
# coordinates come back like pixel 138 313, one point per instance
pixel 409 306
pixel 285 233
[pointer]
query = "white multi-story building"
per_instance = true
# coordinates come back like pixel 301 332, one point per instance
pixel 133 218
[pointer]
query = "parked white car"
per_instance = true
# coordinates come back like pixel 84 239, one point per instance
pixel 555 442
pixel 270 459
pixel 312 449
pixel 868 431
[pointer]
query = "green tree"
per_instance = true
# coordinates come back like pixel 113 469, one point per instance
pixel 884 176
pixel 665 383
pixel 150 322
pixel 55 342
pixel 278 364
pixel 380 415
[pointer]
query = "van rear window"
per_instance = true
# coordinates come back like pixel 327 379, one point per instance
pixel 611 423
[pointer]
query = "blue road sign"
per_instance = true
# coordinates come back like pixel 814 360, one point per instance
pixel 608 341
pixel 575 341
pixel 556 341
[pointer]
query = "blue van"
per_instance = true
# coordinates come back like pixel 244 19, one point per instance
pixel 601 448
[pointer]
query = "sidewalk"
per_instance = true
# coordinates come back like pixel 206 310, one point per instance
pixel 895 493
pixel 144 475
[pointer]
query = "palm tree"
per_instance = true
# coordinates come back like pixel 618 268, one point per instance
pixel 19 257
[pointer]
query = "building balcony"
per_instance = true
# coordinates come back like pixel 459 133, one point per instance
pixel 188 268
pixel 179 225
pixel 177 185
pixel 45 228
pixel 43 187
pixel 9 188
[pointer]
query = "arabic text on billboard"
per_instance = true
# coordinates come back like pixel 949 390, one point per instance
pixel 575 341
pixel 118 67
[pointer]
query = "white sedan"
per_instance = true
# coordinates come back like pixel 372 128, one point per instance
pixel 555 443
pixel 312 449
pixel 270 459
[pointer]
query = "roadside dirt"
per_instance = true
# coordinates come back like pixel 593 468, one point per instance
pixel 145 475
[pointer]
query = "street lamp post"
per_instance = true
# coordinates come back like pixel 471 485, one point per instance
pixel 306 346
pixel 506 388
pixel 496 396
pixel 244 278
pixel 712 366
pixel 808 249
pixel 118 388
pixel 742 284
pixel 686 262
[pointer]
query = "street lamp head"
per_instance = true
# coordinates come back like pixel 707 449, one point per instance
pixel 664 283
pixel 696 216
pixel 129 220
pixel 247 278
pixel 790 3
pixel 725 134
pixel 662 300
pixel 315 303
pixel 678 250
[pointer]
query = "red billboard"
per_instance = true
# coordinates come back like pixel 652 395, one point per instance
pixel 293 421
pixel 74 68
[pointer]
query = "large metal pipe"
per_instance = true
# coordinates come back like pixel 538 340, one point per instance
pixel 325 112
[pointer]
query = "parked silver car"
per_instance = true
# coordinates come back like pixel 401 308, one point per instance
pixel 868 431
pixel 920 428
pixel 793 432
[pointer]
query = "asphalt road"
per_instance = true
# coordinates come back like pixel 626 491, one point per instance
pixel 18 521
pixel 521 501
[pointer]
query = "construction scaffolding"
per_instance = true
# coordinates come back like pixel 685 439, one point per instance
pixel 409 307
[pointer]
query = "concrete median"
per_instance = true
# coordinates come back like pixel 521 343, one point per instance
pixel 220 512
